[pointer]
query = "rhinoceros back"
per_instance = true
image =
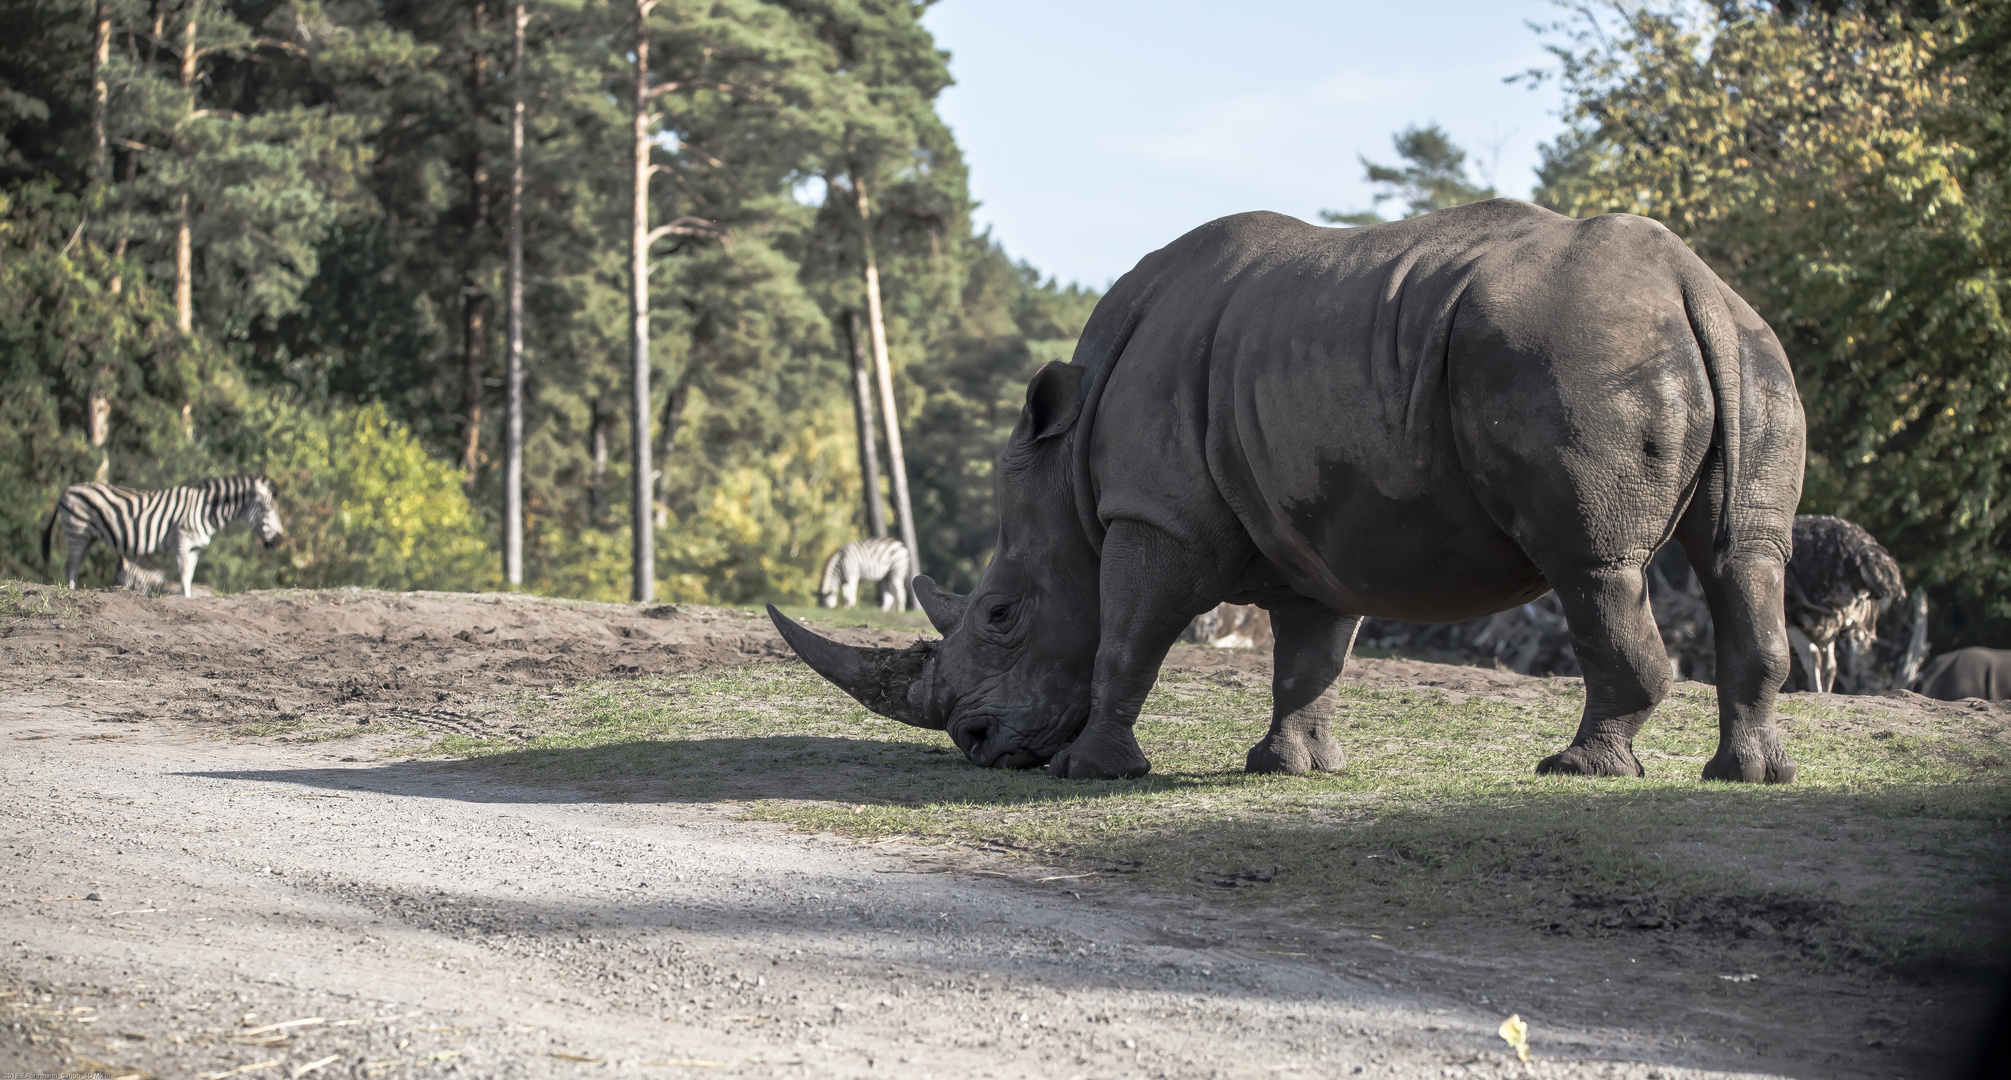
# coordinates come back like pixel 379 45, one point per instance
pixel 1309 379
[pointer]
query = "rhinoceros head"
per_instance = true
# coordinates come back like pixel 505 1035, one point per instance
pixel 1009 681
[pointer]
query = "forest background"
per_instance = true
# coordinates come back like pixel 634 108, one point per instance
pixel 341 166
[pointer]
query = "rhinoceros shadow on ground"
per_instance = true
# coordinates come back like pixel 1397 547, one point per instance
pixel 722 770
pixel 1888 880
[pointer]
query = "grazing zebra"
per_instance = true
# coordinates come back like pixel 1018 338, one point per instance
pixel 1837 580
pixel 883 559
pixel 137 523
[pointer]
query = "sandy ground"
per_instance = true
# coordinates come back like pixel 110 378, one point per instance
pixel 181 903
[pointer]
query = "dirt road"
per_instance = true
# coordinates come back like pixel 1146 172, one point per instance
pixel 184 903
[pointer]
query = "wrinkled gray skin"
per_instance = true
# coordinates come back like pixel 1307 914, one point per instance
pixel 1430 420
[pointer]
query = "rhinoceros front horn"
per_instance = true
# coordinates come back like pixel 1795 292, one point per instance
pixel 945 609
pixel 879 678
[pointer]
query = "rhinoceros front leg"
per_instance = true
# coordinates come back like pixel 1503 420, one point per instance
pixel 1151 586
pixel 1312 648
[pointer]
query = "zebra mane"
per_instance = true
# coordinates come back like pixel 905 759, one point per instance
pixel 232 496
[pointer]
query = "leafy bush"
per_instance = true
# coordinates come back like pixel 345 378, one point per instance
pixel 363 503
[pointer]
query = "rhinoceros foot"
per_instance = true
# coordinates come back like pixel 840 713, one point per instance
pixel 1595 757
pixel 1294 754
pixel 1108 754
pixel 1751 766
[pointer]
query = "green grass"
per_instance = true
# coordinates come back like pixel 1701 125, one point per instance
pixel 27 600
pixel 865 615
pixel 1887 850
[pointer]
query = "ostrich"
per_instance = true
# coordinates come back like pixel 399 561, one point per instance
pixel 1837 580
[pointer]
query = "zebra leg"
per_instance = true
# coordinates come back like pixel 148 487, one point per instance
pixel 185 561
pixel 1804 651
pixel 850 591
pixel 78 546
pixel 1827 658
pixel 890 595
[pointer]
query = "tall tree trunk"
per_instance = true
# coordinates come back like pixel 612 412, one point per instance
pixel 513 380
pixel 101 422
pixel 184 242
pixel 598 436
pixel 100 403
pixel 862 412
pixel 475 301
pixel 101 93
pixel 897 462
pixel 643 538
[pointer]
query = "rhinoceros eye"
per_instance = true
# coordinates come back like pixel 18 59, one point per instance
pixel 1001 613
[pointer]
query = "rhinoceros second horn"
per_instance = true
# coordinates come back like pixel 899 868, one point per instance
pixel 944 609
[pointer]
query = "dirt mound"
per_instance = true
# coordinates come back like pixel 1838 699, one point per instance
pixel 451 662
pixel 443 661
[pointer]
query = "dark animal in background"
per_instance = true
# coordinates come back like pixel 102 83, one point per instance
pixel 882 559
pixel 1837 581
pixel 1968 673
pixel 1428 420
pixel 140 523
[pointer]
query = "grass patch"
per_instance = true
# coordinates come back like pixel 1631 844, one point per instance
pixel 1887 850
pixel 282 724
pixel 350 731
pixel 865 615
pixel 27 600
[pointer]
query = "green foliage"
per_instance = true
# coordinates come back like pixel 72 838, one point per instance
pixel 344 173
pixel 1845 171
pixel 363 504
pixel 65 335
pixel 362 500
pixel 971 393
pixel 1434 178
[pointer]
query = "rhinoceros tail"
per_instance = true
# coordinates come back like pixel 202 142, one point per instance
pixel 1718 340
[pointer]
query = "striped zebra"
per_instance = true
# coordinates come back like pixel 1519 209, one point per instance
pixel 137 523
pixel 883 559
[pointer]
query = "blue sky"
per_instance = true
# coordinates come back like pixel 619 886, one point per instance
pixel 1098 130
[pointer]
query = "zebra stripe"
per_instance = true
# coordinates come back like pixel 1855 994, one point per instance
pixel 137 523
pixel 882 559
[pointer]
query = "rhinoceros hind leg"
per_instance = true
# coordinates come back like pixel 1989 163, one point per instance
pixel 1626 672
pixel 1313 642
pixel 1745 594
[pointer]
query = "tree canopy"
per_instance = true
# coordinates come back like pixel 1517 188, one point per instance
pixel 1433 178
pixel 340 169
pixel 1844 167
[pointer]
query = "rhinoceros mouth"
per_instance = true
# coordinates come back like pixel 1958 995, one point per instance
pixel 992 741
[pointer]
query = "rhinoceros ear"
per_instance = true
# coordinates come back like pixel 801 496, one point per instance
pixel 1053 399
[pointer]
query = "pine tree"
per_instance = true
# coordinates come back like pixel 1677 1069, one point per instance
pixel 1434 178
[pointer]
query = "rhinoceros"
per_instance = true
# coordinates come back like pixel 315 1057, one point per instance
pixel 1429 421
